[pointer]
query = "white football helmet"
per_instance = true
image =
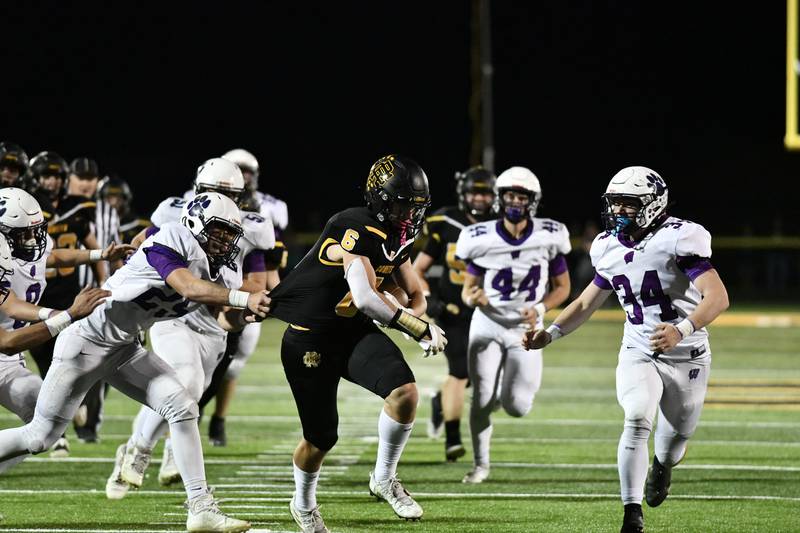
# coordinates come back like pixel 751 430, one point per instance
pixel 220 175
pixel 216 223
pixel 23 224
pixel 247 163
pixel 517 179
pixel 638 187
pixel 6 268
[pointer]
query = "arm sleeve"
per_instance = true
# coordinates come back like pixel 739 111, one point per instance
pixel 602 282
pixel 558 265
pixel 164 259
pixel 364 297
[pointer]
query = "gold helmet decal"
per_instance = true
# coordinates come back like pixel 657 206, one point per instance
pixel 381 171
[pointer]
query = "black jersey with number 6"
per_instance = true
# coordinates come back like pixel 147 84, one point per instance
pixel 315 295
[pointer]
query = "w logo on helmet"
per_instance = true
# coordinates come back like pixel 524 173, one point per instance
pixel 198 205
pixel 658 182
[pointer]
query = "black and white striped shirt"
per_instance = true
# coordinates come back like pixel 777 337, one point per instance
pixel 106 229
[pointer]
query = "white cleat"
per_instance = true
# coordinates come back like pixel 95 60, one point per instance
pixel 116 488
pixel 168 473
pixel 398 497
pixel 478 474
pixel 309 521
pixel 134 464
pixel 205 516
pixel 60 448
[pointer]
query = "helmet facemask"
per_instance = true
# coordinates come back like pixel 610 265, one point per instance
pixel 649 209
pixel 406 216
pixel 27 244
pixel 218 238
pixel 514 212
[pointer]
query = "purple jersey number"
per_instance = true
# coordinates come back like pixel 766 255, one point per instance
pixel 652 293
pixel 32 295
pixel 503 282
pixel 170 306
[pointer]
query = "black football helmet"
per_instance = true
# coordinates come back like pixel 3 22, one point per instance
pixel 13 156
pixel 113 185
pixel 50 164
pixel 475 180
pixel 397 193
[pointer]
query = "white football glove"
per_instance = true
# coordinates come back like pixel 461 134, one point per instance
pixel 437 342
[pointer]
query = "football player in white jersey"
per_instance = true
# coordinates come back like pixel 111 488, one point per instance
pixel 660 268
pixel 23 225
pixel 510 263
pixel 195 343
pixel 175 271
pixel 242 345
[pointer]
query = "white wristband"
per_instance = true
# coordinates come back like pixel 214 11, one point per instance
pixel 238 298
pixel 555 331
pixel 58 323
pixel 44 313
pixel 540 309
pixel 95 255
pixel 686 327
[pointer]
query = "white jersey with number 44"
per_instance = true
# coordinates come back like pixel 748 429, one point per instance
pixel 515 271
pixel 653 280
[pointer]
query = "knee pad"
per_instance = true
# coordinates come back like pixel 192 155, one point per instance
pixel 324 440
pixel 178 407
pixel 516 406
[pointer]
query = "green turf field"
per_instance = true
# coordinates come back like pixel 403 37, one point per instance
pixel 552 471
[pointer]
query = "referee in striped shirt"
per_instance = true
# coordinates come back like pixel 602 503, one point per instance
pixel 83 181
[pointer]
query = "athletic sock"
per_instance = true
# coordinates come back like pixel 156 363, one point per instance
pixel 188 453
pixel 452 431
pixel 632 462
pixel 305 489
pixel 392 438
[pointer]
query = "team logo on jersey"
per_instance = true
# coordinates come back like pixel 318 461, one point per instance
pixel 693 373
pixel 312 359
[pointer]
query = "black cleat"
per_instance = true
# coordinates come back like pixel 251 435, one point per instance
pixel 436 422
pixel 216 431
pixel 454 451
pixel 659 479
pixel 633 522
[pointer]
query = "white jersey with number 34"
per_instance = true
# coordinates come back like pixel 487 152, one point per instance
pixel 515 271
pixel 653 280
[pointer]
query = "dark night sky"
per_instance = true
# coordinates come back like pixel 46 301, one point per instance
pixel 318 92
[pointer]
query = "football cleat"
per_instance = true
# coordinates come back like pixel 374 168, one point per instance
pixel 168 473
pixel 659 479
pixel 454 452
pixel 436 421
pixel 60 448
pixel 216 431
pixel 309 521
pixel 398 497
pixel 204 516
pixel 134 463
pixel 116 487
pixel 633 521
pixel 478 474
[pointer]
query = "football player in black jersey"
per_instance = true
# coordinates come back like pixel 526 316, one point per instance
pixel 331 300
pixel 69 219
pixel 475 190
pixel 13 164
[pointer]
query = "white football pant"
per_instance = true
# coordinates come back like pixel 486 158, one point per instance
pixel 677 390
pixel 78 363
pixel 194 355
pixel 499 369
